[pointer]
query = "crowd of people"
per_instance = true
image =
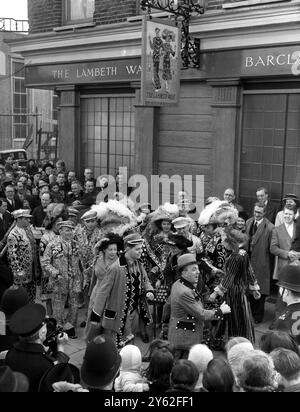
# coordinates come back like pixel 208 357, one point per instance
pixel 201 284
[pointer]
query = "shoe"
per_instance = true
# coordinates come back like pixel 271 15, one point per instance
pixel 272 326
pixel 145 338
pixel 257 322
pixel 71 333
pixel 83 324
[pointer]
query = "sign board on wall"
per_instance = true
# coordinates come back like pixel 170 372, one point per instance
pixel 101 71
pixel 161 62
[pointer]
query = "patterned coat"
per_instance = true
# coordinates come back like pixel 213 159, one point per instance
pixel 87 242
pixel 62 265
pixel 112 301
pixel 187 316
pixel 21 254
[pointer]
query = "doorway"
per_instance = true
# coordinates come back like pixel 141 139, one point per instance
pixel 108 133
pixel 270 149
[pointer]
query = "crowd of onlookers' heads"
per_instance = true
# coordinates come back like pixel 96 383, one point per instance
pixel 275 367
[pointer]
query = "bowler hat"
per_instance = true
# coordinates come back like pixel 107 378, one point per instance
pixel 289 278
pixel 101 362
pixel 12 381
pixel 28 320
pixel 62 372
pixel 186 260
pixel 13 299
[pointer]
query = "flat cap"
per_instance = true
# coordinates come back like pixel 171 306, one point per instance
pixel 90 215
pixel 180 222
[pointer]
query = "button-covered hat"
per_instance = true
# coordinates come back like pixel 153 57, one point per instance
pixel 181 222
pixel 90 215
pixel 17 214
pixel 28 320
pixel 185 260
pixel 66 223
pixel 133 240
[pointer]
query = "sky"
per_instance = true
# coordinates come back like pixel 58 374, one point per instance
pixel 16 9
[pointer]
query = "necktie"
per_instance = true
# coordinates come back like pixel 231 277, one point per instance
pixel 255 226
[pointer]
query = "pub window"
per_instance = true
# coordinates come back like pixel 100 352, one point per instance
pixel 55 105
pixel 79 10
pixel 19 103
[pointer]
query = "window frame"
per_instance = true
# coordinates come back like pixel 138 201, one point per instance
pixel 15 124
pixel 67 15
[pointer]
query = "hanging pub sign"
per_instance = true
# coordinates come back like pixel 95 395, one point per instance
pixel 161 62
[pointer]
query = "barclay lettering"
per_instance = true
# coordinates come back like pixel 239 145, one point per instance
pixel 272 60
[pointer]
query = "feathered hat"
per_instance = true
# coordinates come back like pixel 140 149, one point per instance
pixel 115 217
pixel 218 212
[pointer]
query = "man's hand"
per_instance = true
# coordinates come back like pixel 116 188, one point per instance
pixel 293 255
pixel 257 295
pixel 62 339
pixel 67 387
pixel 213 297
pixel 157 284
pixel 150 296
pixel 225 309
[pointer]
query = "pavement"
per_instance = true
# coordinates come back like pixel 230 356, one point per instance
pixel 76 348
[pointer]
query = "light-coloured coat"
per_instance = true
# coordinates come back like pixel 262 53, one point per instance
pixel 281 243
pixel 111 299
pixel 187 317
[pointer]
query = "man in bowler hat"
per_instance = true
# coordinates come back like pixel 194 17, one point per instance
pixel 187 312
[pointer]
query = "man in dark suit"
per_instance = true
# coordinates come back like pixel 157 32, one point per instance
pixel 5 218
pixel 39 213
pixel 10 198
pixel 271 208
pixel 259 229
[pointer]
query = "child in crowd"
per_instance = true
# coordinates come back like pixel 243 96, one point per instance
pixel 130 378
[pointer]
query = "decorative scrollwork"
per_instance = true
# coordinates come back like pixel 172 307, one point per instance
pixel 183 11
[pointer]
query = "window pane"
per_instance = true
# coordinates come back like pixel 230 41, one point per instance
pixel 80 9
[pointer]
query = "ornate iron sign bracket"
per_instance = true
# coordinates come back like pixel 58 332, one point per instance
pixel 183 10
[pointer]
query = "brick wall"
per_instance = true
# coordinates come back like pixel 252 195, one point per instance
pixel 44 15
pixel 113 11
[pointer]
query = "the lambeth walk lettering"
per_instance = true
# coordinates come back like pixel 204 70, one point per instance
pixel 160 96
pixel 97 72
pixel 134 69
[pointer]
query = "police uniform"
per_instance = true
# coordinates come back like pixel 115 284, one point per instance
pixel 289 321
pixel 26 356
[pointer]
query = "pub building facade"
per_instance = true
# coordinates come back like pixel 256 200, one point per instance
pixel 238 119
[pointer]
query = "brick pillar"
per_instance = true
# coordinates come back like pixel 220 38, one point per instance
pixel 69 128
